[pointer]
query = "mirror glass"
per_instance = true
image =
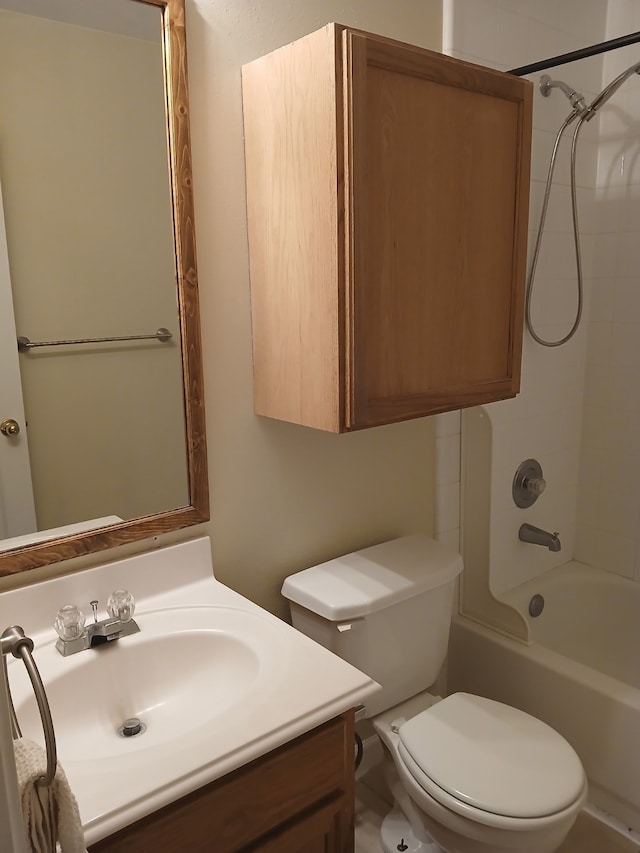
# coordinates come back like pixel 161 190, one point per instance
pixel 99 443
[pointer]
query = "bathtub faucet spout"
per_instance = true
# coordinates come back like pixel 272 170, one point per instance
pixel 536 536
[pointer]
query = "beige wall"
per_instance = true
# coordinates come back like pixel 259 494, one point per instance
pixel 283 497
pixel 87 208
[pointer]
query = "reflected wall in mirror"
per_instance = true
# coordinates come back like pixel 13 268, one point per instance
pixel 96 242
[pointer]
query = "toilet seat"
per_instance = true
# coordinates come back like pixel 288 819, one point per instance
pixel 490 762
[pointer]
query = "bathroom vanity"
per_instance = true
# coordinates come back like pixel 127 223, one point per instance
pixel 248 739
pixel 297 798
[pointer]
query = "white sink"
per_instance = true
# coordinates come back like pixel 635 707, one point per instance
pixel 216 680
pixel 187 669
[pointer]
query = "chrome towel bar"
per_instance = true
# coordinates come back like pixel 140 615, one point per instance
pixel 13 641
pixel 162 334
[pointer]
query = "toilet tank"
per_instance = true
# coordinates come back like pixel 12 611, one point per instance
pixel 385 609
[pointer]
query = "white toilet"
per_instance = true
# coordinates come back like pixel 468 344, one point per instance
pixel 469 775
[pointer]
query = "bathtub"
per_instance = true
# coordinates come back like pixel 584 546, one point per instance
pixel 581 674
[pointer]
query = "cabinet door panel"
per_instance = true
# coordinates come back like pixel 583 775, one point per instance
pixel 317 833
pixel 436 198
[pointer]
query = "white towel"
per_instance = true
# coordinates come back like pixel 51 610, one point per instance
pixel 50 813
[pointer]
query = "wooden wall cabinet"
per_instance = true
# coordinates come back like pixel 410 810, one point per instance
pixel 387 194
pixel 297 799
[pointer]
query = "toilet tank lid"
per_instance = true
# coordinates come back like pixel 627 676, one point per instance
pixel 365 581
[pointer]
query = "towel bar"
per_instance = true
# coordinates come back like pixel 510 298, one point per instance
pixel 162 334
pixel 13 641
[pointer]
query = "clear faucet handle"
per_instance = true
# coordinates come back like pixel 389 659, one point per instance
pixel 69 622
pixel 121 605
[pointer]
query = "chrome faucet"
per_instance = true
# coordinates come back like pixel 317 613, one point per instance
pixel 536 536
pixel 74 637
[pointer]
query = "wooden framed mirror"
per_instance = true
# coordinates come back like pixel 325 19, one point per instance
pixel 107 402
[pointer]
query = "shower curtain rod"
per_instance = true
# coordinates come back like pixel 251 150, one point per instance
pixel 583 53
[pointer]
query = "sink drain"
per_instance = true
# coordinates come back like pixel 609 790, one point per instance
pixel 132 727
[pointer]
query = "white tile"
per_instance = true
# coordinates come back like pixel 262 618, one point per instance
pixel 557 257
pixel 559 216
pixel 555 300
pixel 448 26
pixel 604 259
pixel 627 254
pixel 625 395
pixel 448 424
pixel 507 410
pixel 587 159
pixel 619 512
pixel 599 344
pixel 609 205
pixel 624 346
pixel 447 507
pixel 621 469
pixel 624 428
pixel 447 459
pixel 597 386
pixel 616 554
pixel 596 422
pixel 629 204
pixel 626 301
pixel 611 164
pixel 600 302
pixel 513 442
pixel 450 538
pixel 511 38
pixel 476 28
pixel 619 17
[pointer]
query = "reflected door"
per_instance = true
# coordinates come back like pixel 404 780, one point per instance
pixel 17 508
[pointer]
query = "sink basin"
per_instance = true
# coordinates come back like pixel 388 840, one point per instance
pixel 189 668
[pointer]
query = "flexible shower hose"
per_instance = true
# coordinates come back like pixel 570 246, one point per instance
pixel 576 235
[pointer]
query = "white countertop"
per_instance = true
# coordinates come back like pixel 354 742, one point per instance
pixel 307 685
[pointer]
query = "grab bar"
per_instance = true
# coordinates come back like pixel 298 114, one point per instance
pixel 13 641
pixel 162 334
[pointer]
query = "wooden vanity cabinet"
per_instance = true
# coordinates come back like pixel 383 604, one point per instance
pixel 387 195
pixel 297 799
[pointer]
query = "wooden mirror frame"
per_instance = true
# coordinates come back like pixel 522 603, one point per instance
pixel 179 148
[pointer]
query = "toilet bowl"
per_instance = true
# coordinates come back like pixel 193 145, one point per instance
pixel 468 774
pixel 477 776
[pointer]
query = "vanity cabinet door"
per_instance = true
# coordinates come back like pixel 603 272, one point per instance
pixel 387 193
pixel 319 832
pixel 297 799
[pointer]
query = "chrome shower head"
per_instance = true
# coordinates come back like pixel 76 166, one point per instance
pixel 609 90
pixel 577 98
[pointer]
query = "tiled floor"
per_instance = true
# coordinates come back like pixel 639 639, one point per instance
pixel 587 836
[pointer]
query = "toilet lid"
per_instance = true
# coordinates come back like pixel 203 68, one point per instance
pixel 491 757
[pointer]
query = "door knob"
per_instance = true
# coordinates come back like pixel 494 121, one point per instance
pixel 9 427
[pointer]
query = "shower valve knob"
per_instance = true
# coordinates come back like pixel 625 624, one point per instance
pixel 528 483
pixel 535 485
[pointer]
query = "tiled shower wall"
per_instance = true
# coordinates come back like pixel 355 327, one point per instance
pixel 546 420
pixel 608 522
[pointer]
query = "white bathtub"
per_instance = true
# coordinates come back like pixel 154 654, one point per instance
pixel 581 674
